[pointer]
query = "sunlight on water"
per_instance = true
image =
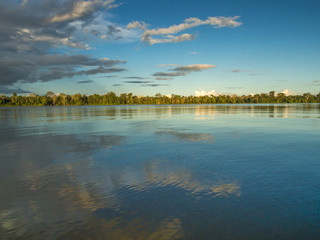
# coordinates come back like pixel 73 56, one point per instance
pixel 160 172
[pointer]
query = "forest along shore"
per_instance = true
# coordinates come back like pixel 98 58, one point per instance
pixel 60 99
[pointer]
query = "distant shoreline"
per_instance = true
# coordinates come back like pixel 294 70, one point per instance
pixel 51 99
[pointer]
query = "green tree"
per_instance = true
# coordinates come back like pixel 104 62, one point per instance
pixel 49 94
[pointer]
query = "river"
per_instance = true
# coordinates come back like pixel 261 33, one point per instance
pixel 160 172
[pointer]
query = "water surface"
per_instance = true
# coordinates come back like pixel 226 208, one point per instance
pixel 160 172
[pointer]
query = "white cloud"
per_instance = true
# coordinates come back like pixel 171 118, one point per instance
pixel 169 39
pixel 29 35
pixel 166 34
pixel 107 30
pixel 194 67
pixel 205 93
pixel 137 24
pixel 288 92
pixel 194 22
pixel 82 8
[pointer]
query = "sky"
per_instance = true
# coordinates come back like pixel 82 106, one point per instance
pixel 145 47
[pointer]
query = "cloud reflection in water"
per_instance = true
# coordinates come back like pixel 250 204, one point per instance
pixel 187 136
pixel 58 184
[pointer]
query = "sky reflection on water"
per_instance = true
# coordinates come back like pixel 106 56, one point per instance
pixel 160 172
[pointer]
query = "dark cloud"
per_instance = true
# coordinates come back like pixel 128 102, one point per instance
pixel 86 81
pixel 182 71
pixel 170 74
pixel 109 31
pixel 164 78
pixel 80 60
pixel 112 76
pixel 36 26
pixel 51 67
pixel 154 85
pixel 137 82
pixel 113 30
pixel 99 70
pixel 95 32
pixel 316 82
pixel 6 90
pixel 59 73
pixel 134 77
pixel 31 32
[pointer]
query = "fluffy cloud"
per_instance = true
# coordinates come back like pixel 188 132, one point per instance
pixel 40 25
pixel 31 31
pixel 288 92
pixel 205 93
pixel 106 30
pixel 167 34
pixel 29 35
pixel 80 9
pixel 137 24
pixel 169 39
pixel 194 22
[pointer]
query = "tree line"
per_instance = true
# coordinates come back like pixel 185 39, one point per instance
pixel 110 98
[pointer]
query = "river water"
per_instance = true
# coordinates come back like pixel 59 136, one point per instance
pixel 160 172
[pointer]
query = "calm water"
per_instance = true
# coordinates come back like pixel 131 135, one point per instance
pixel 160 172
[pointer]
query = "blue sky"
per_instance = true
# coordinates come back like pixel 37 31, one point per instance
pixel 149 47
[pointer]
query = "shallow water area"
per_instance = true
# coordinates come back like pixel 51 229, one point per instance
pixel 160 172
